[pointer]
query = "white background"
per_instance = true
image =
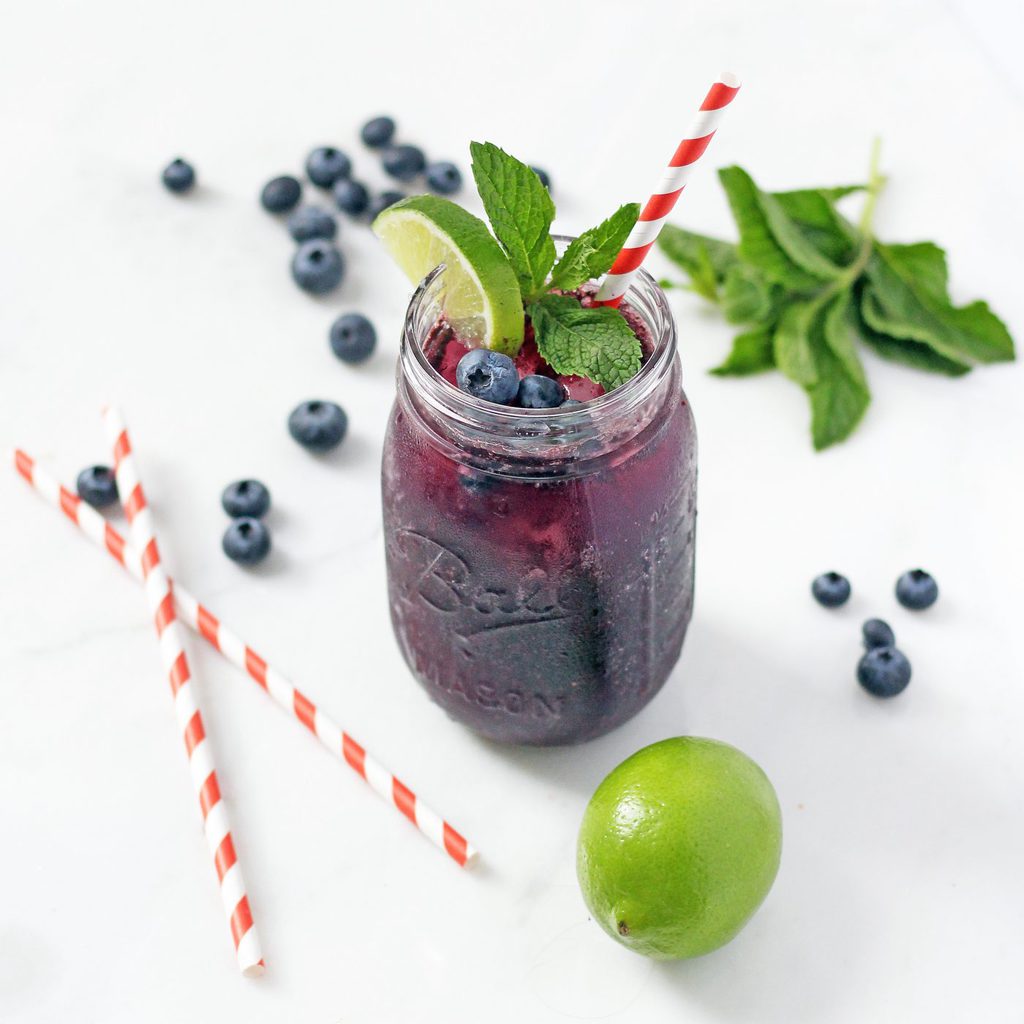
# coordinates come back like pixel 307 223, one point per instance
pixel 901 894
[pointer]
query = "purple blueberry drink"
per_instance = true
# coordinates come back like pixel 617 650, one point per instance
pixel 540 561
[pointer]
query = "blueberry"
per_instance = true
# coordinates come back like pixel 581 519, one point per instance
pixel 178 176
pixel 539 392
pixel 380 203
pixel 878 634
pixel 444 178
pixel 246 541
pixel 325 165
pixel 884 671
pixel 97 486
pixel 488 375
pixel 247 498
pixel 403 162
pixel 311 222
pixel 545 178
pixel 378 131
pixel 831 590
pixel 318 426
pixel 917 590
pixel 317 266
pixel 282 194
pixel 351 196
pixel 571 402
pixel 353 338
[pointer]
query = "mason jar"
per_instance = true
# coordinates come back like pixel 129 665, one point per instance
pixel 540 561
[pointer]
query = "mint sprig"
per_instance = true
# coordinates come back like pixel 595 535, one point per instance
pixel 594 343
pixel 520 210
pixel 592 253
pixel 591 342
pixel 806 283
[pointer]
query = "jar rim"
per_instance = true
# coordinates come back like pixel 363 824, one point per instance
pixel 488 423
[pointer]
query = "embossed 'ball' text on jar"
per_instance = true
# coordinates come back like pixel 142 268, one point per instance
pixel 540 562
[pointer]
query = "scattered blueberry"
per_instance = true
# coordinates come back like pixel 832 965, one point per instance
pixel 318 426
pixel 545 178
pixel 351 196
pixel 248 498
pixel 444 178
pixel 539 392
pixel 378 131
pixel 353 338
pixel 884 672
pixel 317 266
pixel 403 162
pixel 380 203
pixel 325 165
pixel 311 222
pixel 831 589
pixel 246 541
pixel 282 194
pixel 97 486
pixel 489 375
pixel 917 590
pixel 878 634
pixel 178 176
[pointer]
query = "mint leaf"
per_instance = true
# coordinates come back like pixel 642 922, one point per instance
pixel 813 211
pixel 791 342
pixel 788 260
pixel 520 211
pixel 840 395
pixel 592 253
pixel 909 300
pixel 746 296
pixel 901 350
pixel 595 343
pixel 752 352
pixel 706 260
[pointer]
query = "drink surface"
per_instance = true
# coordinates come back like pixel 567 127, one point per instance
pixel 541 610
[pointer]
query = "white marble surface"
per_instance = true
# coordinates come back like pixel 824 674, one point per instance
pixel 901 892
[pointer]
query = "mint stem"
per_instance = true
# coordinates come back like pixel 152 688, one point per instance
pixel 876 182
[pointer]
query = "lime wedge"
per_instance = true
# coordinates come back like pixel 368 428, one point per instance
pixel 480 293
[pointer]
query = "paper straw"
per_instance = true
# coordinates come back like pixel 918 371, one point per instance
pixel 297 705
pixel 648 226
pixel 175 661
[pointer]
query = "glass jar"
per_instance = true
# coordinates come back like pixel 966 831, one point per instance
pixel 540 561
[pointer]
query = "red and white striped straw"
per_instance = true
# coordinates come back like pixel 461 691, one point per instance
pixel 172 652
pixel 659 206
pixel 297 705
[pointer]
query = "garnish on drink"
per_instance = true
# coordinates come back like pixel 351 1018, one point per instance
pixel 510 293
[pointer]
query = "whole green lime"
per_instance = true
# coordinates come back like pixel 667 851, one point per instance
pixel 679 846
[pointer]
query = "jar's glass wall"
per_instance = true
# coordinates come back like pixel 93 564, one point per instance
pixel 540 565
